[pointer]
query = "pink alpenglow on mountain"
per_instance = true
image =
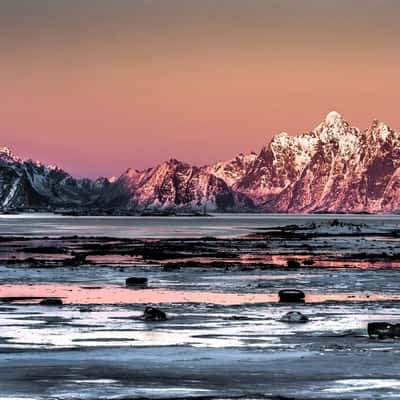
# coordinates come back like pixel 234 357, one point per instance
pixel 333 168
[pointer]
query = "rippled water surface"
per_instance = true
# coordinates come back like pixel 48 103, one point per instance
pixel 219 225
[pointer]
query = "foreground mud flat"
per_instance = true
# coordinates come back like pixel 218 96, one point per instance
pixel 223 337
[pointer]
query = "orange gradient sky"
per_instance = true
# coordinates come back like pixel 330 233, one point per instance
pixel 97 86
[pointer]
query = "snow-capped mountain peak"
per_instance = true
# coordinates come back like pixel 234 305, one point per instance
pixel 380 131
pixel 333 118
pixel 7 155
pixel 333 168
pixel 234 170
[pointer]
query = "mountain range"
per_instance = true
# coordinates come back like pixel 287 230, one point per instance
pixel 333 168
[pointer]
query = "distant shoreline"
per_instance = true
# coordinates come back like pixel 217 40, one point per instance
pixel 120 213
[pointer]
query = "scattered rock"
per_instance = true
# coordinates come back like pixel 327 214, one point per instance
pixel 379 330
pixel 85 309
pixel 33 261
pixel 168 267
pixel 291 295
pixel 294 317
pixel 91 287
pixel 44 250
pixel 76 260
pixel 19 298
pixel 383 330
pixel 51 301
pixel 136 281
pixel 293 264
pixel 396 330
pixel 154 314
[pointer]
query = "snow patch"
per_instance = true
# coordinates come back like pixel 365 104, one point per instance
pixel 333 118
pixel 336 227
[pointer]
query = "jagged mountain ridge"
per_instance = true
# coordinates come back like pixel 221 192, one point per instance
pixel 175 184
pixel 25 184
pixel 333 168
pixel 348 170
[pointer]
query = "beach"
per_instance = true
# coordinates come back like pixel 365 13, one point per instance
pixel 224 336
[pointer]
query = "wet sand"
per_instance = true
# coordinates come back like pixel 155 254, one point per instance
pixel 170 372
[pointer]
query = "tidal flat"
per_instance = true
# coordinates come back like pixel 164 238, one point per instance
pixel 223 337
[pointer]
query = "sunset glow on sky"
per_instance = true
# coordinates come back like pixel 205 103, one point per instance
pixel 98 86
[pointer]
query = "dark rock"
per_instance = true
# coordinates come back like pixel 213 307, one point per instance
pixel 92 287
pixel 239 318
pixel 308 262
pixel 18 298
pixel 293 264
pixel 85 309
pixel 76 260
pixel 171 267
pixel 136 281
pixel 154 314
pixel 44 250
pixel 395 330
pixel 294 317
pixel 32 261
pixel 291 295
pixel 381 330
pixel 51 301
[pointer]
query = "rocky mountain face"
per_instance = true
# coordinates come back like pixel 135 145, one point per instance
pixel 333 168
pixel 31 185
pixel 174 184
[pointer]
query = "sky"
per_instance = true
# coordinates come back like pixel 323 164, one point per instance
pixel 97 86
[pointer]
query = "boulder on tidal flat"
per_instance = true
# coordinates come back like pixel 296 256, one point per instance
pixel 294 317
pixel 136 281
pixel 154 314
pixel 383 330
pixel 291 295
pixel 396 330
pixel 51 301
pixel 293 264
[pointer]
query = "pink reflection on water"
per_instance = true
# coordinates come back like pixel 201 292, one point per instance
pixel 114 259
pixel 358 264
pixel 73 294
pixel 281 260
pixel 37 256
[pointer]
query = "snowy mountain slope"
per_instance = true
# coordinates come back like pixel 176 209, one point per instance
pixel 333 168
pixel 177 184
pixel 234 170
pixel 27 184
pixel 349 171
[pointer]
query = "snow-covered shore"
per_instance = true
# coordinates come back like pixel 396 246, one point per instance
pixel 224 336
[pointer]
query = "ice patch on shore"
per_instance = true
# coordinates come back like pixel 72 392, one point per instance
pixel 336 227
pixel 351 385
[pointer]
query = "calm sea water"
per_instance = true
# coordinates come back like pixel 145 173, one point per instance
pixel 218 225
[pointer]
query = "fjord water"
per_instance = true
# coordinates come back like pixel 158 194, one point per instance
pixel 217 225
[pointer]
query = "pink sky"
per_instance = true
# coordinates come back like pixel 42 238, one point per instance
pixel 98 90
